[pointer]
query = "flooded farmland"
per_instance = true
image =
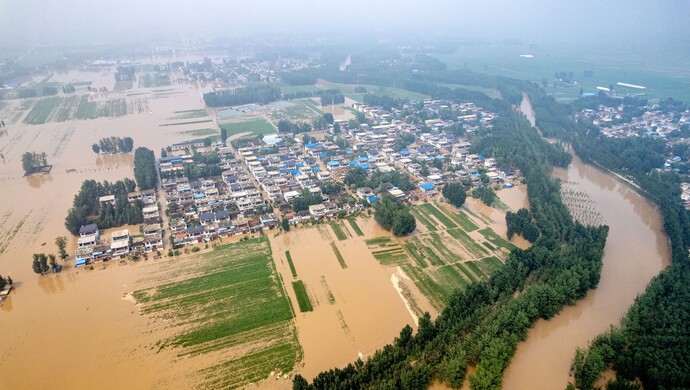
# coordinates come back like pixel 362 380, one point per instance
pixel 636 250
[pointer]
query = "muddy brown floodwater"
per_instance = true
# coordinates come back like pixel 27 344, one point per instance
pixel 636 250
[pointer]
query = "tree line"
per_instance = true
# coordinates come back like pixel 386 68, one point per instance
pixel 113 145
pixel 394 216
pixel 261 94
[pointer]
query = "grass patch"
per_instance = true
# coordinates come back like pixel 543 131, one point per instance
pixel 496 239
pixel 187 123
pixel 414 251
pixel 329 293
pixel 355 227
pixel 339 231
pixel 257 126
pixel 302 297
pixel 377 241
pixel 292 266
pixel 339 256
pixel 446 254
pixel 428 207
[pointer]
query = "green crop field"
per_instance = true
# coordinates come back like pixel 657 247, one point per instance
pixel 187 123
pixel 496 239
pixel 256 126
pixel 121 86
pixel 302 297
pixel 230 297
pixel 429 208
pixel 189 114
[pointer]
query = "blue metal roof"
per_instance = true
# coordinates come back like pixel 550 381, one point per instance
pixel 427 186
pixel 333 163
pixel 372 199
pixel 314 169
pixel 295 172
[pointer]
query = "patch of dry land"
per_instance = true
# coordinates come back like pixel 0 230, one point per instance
pixel 256 310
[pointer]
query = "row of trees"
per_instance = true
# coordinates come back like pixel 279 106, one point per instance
pixel 261 94
pixel 42 263
pixel 86 207
pixel 332 99
pixel 113 145
pixel 394 216
pixel 33 161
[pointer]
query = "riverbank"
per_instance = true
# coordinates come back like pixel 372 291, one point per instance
pixel 636 250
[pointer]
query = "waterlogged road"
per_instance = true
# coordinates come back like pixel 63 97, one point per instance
pixel 636 250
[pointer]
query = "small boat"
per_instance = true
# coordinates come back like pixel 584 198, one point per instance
pixel 43 244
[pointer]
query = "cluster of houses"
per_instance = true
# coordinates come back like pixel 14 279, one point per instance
pixel 437 155
pixel 91 246
pixel 652 123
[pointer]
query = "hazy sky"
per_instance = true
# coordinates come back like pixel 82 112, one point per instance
pixel 28 22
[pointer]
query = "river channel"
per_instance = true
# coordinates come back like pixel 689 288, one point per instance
pixel 636 250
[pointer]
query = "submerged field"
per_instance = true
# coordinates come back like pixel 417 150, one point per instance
pixel 229 303
pixel 449 251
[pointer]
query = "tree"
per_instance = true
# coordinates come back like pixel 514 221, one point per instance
pixel 336 128
pixel 404 223
pixel 40 263
pixel 208 141
pixel 328 117
pixel 3 283
pixel 145 169
pixel 285 224
pixel 164 153
pixel 61 243
pixel 96 149
pixel 455 193
pixel 53 263
pixel 223 135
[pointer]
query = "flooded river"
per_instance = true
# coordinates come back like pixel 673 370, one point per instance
pixel 636 250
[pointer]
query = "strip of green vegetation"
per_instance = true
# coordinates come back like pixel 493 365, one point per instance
pixel 187 123
pixel 377 241
pixel 464 221
pixel 81 83
pixel 496 239
pixel 86 109
pixel 41 111
pixel 486 244
pixel 338 230
pixel 338 255
pixel 292 266
pixel 473 266
pixel 329 293
pixel 463 268
pixel 64 110
pixel 414 252
pixel 198 132
pixel 390 257
pixel 188 114
pixel 355 227
pixel 428 207
pixel 421 218
pixel 257 126
pixel 431 289
pixel 468 242
pixel 302 297
pixel 447 256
